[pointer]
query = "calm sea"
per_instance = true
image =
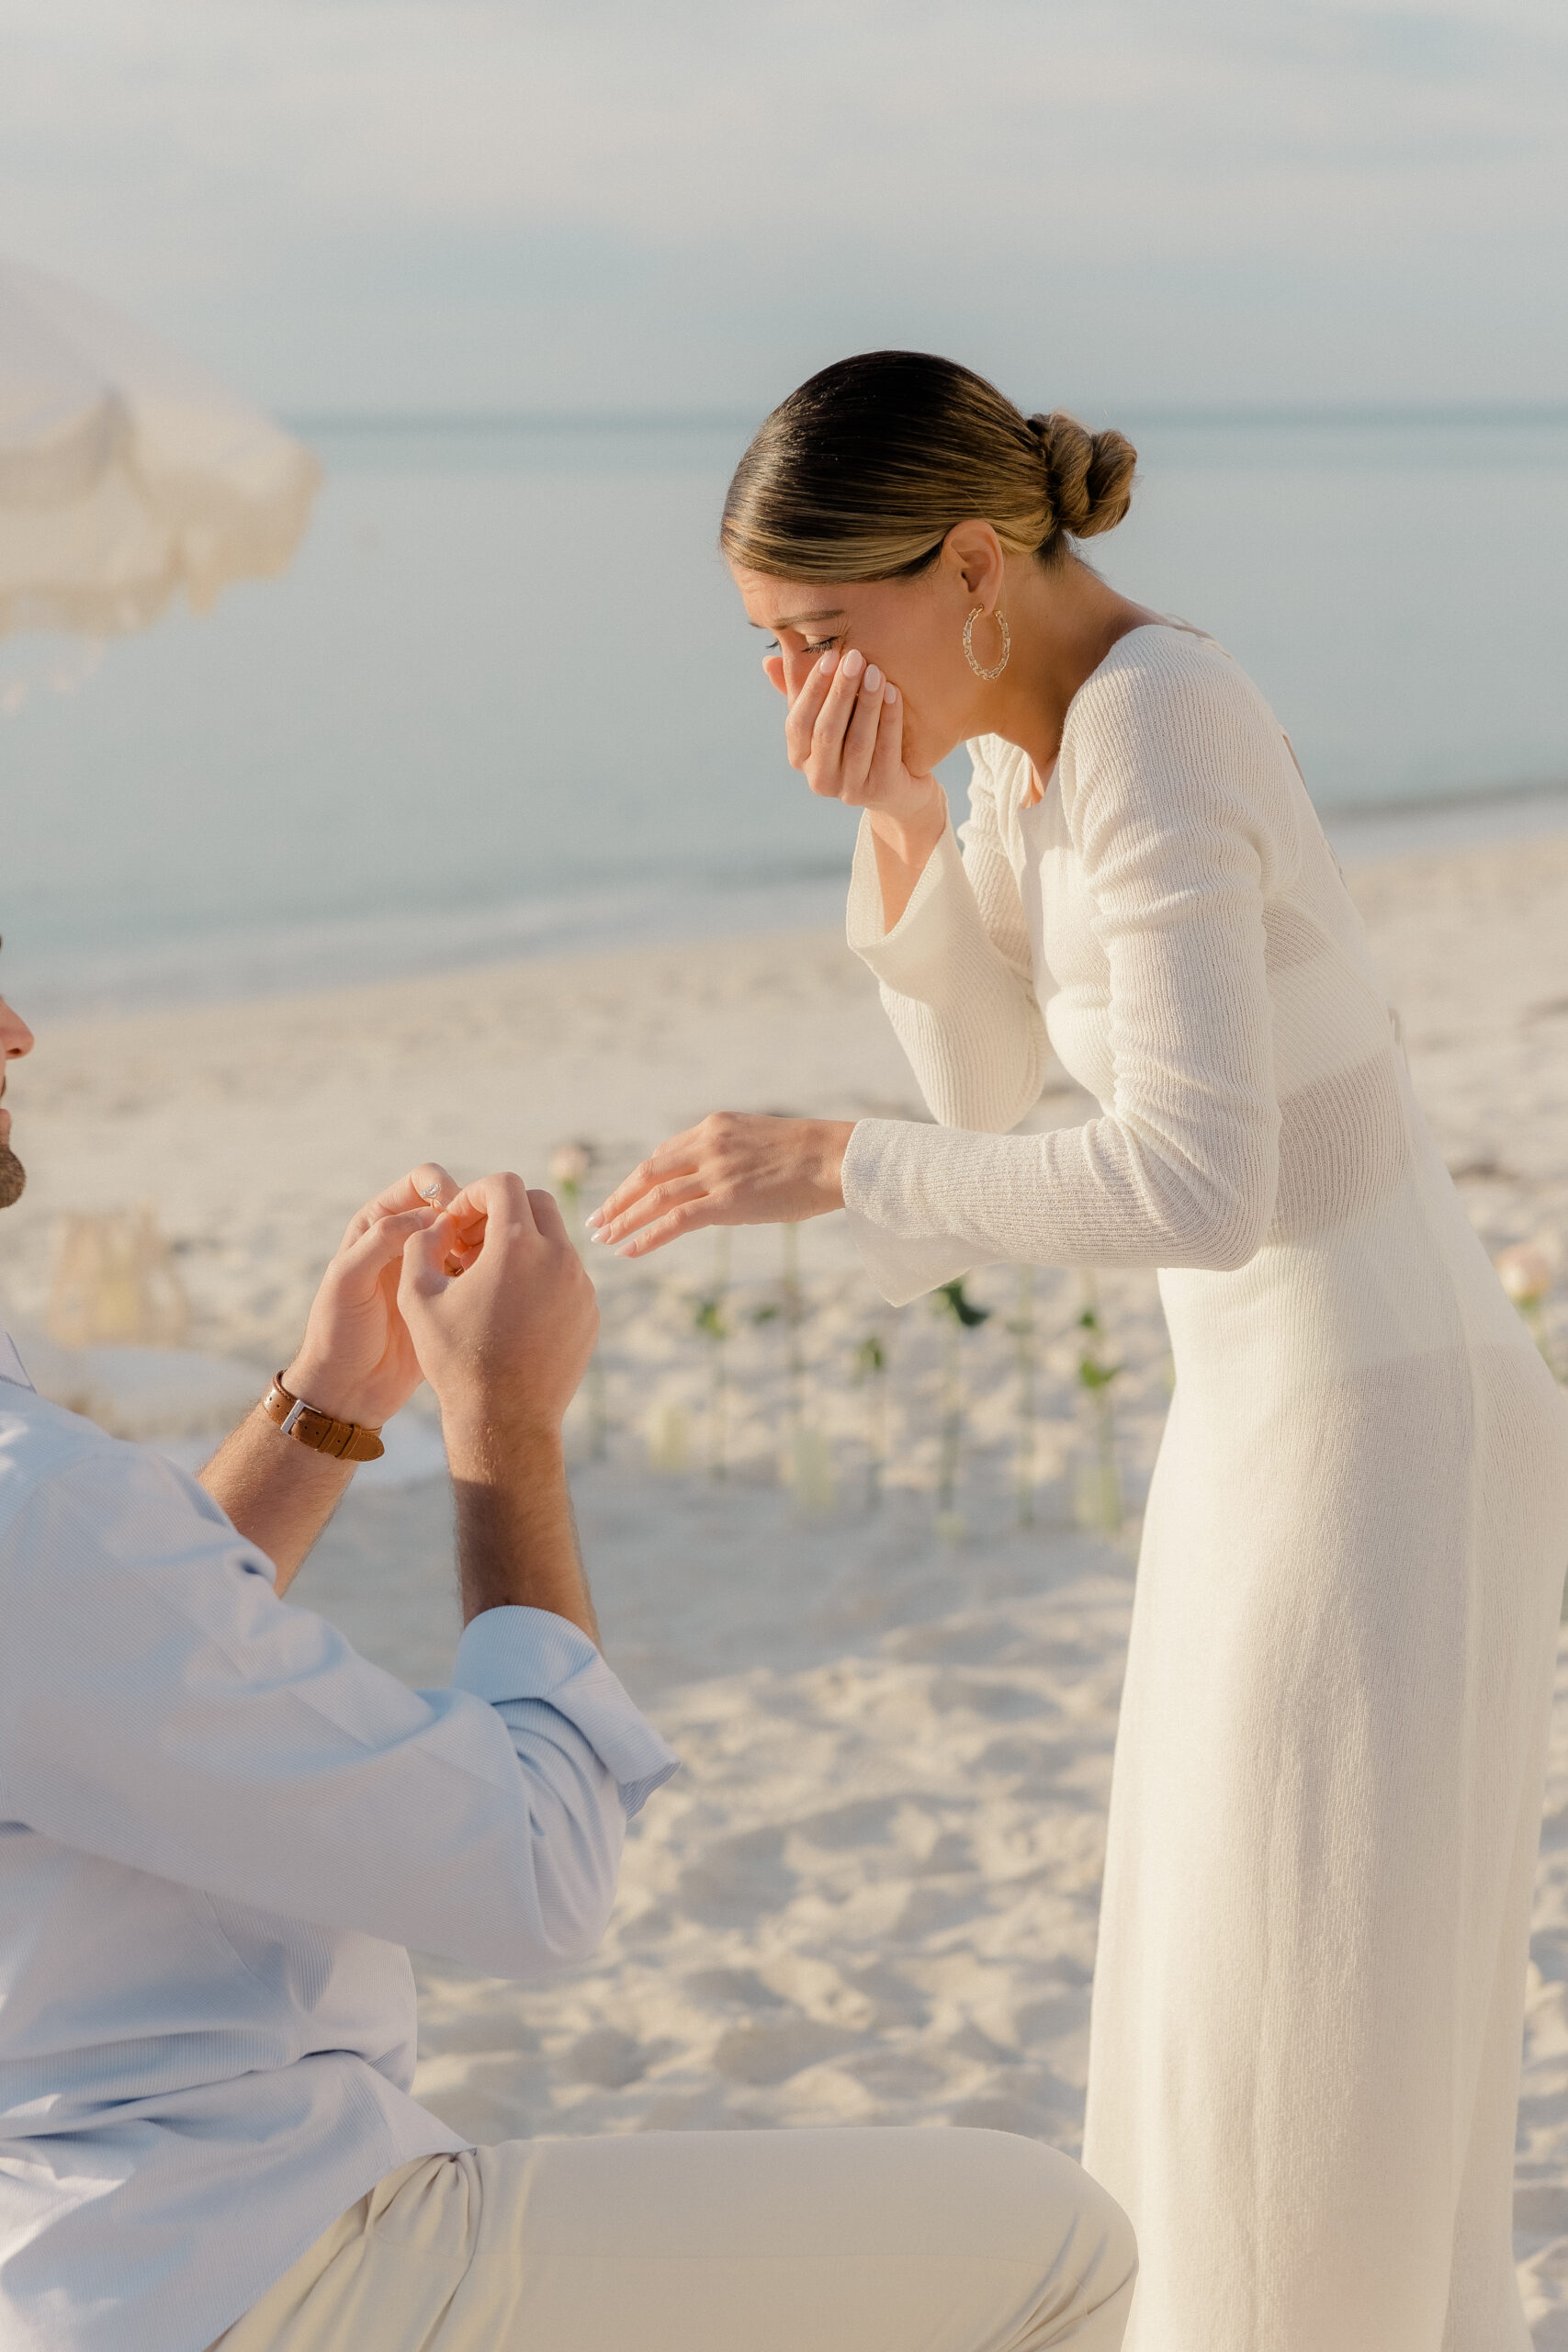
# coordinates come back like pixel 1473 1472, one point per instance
pixel 505 700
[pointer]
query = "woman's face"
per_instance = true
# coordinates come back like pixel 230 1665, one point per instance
pixel 913 631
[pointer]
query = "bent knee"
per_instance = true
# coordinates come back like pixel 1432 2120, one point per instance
pixel 1060 2219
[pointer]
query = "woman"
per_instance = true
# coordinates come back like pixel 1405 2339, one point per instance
pixel 1307 2006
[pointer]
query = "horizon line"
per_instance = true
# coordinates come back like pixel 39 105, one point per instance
pixel 1333 415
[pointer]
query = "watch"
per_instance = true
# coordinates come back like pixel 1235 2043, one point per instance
pixel 348 1441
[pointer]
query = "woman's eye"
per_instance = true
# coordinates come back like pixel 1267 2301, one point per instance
pixel 822 645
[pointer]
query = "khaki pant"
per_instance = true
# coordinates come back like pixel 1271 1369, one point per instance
pixel 911 2240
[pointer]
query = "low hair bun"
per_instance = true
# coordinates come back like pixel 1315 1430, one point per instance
pixel 1089 475
pixel 862 471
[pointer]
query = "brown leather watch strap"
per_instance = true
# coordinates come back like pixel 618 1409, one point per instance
pixel 349 1441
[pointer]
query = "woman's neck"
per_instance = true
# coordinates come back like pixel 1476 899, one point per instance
pixel 1064 622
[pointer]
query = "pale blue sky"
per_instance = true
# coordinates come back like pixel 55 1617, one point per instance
pixel 398 203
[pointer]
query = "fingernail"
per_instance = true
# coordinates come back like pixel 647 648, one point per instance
pixel 889 694
pixel 853 664
pixel 873 680
pixel 626 1249
pixel 827 664
pixel 595 1219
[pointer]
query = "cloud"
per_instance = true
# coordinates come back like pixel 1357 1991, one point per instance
pixel 393 201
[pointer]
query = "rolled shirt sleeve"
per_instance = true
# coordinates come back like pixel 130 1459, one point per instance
pixel 160 1707
pixel 547 1681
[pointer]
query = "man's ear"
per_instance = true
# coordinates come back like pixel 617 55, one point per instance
pixel 772 670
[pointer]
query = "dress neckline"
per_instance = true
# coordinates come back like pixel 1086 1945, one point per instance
pixel 1186 628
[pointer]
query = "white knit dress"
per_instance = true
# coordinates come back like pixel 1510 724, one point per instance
pixel 1305 2054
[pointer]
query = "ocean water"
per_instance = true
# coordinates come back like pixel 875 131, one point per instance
pixel 505 699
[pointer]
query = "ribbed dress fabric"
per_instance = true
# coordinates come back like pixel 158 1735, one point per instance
pixel 1308 1998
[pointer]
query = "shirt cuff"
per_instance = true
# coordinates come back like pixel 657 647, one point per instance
pixel 509 1654
pixel 915 949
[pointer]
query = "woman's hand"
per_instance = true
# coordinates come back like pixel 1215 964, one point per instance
pixel 736 1169
pixel 356 1360
pixel 845 733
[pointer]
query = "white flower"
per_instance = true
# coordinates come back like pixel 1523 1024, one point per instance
pixel 1525 1273
pixel 569 1163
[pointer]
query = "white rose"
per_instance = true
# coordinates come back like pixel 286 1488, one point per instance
pixel 1525 1273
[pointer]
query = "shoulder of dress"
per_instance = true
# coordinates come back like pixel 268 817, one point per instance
pixel 1159 677
pixel 1171 705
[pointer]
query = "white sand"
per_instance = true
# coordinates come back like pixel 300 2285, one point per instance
pixel 871 1893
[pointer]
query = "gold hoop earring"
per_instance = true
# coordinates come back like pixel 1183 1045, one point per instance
pixel 979 667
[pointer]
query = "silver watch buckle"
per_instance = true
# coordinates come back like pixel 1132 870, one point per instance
pixel 286 1423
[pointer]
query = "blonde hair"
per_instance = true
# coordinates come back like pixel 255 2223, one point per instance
pixel 864 471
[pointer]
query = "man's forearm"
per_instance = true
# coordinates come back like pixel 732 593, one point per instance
pixel 277 1492
pixel 517 1536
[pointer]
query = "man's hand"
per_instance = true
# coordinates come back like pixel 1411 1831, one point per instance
pixel 356 1360
pixel 504 1342
pixel 505 1345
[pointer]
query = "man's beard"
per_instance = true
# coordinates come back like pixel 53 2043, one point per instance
pixel 13 1176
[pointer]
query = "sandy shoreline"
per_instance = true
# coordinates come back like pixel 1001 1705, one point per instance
pixel 871 1893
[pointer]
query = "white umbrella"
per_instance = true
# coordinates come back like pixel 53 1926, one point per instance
pixel 126 471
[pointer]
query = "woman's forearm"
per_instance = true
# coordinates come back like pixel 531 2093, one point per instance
pixel 958 990
pixel 903 847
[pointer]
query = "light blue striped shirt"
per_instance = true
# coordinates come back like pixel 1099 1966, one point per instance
pixel 219 1826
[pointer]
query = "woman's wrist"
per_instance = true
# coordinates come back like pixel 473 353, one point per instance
pixel 904 850
pixel 912 836
pixel 831 1140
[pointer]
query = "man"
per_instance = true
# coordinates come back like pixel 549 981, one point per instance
pixel 219 1827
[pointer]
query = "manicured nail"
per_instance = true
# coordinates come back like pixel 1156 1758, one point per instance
pixel 873 680
pixel 854 662
pixel 827 664
pixel 595 1219
pixel 626 1249
pixel 889 694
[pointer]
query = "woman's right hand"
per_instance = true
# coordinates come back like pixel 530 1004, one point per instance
pixel 845 734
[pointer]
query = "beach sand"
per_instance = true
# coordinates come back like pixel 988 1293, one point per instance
pixel 871 1894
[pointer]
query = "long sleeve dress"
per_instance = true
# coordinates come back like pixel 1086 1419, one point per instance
pixel 1307 2012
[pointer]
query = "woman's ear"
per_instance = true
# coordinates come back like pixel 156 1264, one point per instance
pixel 772 670
pixel 975 555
